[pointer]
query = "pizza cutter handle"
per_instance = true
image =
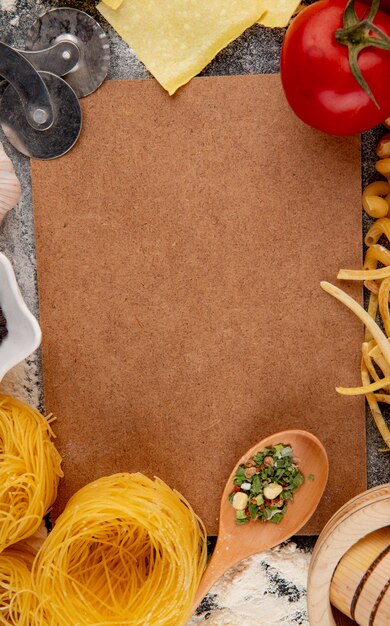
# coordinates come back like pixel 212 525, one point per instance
pixel 59 59
pixel 29 85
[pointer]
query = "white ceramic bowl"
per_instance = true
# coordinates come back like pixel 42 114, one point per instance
pixel 24 333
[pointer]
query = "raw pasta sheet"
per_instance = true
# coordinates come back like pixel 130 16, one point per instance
pixel 180 247
pixel 176 39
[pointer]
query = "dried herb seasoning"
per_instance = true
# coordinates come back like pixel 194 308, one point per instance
pixel 265 484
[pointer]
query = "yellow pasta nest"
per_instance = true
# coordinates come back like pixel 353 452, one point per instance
pixel 127 550
pixel 30 469
pixel 18 603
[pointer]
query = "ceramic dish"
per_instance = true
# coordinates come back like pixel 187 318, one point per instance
pixel 24 334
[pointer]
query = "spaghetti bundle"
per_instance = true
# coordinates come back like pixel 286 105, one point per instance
pixel 126 550
pixel 30 468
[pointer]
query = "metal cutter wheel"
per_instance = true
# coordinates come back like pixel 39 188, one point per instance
pixel 39 111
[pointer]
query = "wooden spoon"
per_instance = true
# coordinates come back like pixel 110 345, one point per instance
pixel 237 542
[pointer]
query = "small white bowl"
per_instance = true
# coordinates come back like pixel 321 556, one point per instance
pixel 24 333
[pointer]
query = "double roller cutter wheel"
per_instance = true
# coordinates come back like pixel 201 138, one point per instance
pixel 67 57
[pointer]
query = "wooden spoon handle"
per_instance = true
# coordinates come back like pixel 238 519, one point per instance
pixel 221 560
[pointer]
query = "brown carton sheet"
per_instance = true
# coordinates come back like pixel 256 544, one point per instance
pixel 180 248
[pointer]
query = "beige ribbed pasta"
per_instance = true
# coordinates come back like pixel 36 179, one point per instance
pixel 127 550
pixel 30 469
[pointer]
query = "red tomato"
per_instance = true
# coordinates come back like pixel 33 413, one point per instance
pixel 316 74
pixel 384 5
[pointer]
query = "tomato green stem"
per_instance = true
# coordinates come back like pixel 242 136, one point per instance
pixel 356 35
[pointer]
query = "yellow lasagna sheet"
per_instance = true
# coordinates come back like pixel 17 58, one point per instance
pixel 176 39
pixel 113 4
pixel 278 12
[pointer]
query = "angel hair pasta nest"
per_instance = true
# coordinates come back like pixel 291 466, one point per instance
pixel 30 469
pixel 126 550
pixel 18 603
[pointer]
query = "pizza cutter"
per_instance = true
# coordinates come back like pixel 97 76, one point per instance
pixel 66 57
pixel 73 26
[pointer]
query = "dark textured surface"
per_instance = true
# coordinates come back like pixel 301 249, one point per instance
pixel 256 51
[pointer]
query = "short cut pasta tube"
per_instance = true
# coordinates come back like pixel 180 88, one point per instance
pixel 374 255
pixel 379 227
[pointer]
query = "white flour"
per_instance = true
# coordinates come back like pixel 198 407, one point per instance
pixel 8 5
pixel 268 589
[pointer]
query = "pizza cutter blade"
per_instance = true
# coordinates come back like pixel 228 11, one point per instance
pixel 53 141
pixel 66 24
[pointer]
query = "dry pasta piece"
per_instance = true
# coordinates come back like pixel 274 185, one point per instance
pixel 126 550
pixel 375 206
pixel 373 202
pixel 375 352
pixel 377 188
pixel 375 410
pixel 383 302
pixel 113 4
pixel 365 389
pixel 176 39
pixel 18 603
pixel 383 272
pixel 278 12
pixel 368 361
pixel 372 312
pixel 372 286
pixel 383 147
pixel 379 227
pixel 375 254
pixel 382 397
pixel 371 344
pixel 376 355
pixel 383 167
pixel 381 363
pixel 30 469
pixel 373 327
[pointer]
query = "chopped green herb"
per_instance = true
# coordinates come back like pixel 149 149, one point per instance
pixel 310 477
pixel 256 485
pixel 274 472
pixel 259 500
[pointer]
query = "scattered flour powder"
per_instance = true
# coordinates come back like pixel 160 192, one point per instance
pixel 268 589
